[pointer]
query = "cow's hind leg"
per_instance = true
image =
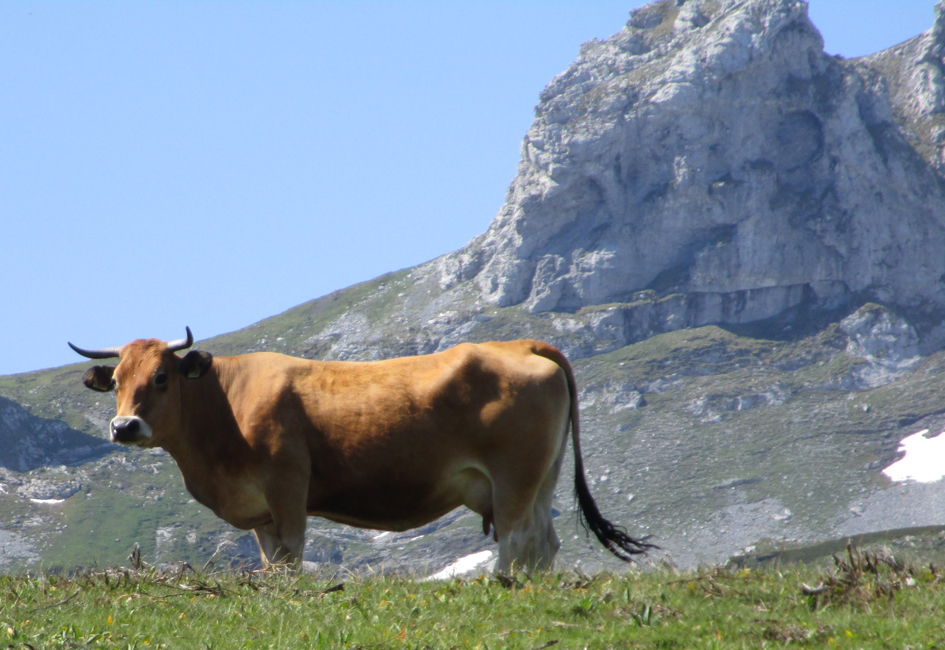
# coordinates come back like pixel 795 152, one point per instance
pixel 547 543
pixel 527 538
pixel 529 545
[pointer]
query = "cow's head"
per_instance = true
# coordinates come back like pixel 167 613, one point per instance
pixel 147 382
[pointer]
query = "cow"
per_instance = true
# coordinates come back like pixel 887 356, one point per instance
pixel 264 440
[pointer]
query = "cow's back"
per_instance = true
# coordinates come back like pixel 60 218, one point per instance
pixel 463 391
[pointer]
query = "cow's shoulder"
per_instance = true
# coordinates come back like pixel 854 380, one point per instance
pixel 263 386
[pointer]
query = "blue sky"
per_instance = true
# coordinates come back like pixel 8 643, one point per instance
pixel 214 163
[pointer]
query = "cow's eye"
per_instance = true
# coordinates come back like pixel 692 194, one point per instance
pixel 160 378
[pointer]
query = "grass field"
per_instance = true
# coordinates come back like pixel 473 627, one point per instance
pixel 865 600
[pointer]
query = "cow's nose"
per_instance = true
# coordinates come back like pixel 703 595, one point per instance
pixel 125 429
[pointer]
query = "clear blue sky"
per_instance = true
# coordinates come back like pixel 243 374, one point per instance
pixel 213 163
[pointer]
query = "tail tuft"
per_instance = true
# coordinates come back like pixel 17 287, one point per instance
pixel 614 538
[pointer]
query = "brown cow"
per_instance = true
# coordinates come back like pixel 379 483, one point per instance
pixel 264 439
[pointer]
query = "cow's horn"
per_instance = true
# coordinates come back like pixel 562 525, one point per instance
pixel 105 353
pixel 181 344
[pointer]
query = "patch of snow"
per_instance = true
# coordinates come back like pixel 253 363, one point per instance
pixel 463 566
pixel 924 461
pixel 50 502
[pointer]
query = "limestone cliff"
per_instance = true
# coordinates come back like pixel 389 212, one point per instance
pixel 711 150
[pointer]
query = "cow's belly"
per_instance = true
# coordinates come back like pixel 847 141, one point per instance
pixel 390 512
pixel 399 506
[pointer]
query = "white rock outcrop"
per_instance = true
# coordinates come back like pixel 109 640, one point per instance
pixel 712 149
pixel 888 344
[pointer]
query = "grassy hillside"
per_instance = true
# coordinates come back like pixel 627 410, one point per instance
pixel 715 442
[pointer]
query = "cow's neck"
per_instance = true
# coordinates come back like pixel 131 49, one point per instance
pixel 209 449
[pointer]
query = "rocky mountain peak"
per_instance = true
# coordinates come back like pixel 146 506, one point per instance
pixel 936 40
pixel 712 149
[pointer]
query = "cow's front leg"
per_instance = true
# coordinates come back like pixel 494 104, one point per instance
pixel 281 545
pixel 281 540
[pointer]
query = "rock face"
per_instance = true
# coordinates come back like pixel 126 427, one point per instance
pixel 887 344
pixel 712 149
pixel 28 442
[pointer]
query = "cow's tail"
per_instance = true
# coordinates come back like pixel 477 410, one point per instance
pixel 614 538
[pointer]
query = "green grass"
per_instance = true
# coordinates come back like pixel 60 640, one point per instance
pixel 864 600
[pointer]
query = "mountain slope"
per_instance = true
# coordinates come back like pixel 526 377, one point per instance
pixel 737 240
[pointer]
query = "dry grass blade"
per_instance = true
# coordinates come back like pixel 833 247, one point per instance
pixel 198 587
pixel 321 592
pixel 508 581
pixel 546 645
pixel 60 603
pixel 791 633
pixel 709 582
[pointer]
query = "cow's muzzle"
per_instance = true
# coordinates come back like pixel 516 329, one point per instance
pixel 129 429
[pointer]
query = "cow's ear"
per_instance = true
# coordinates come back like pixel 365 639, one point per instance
pixel 195 364
pixel 99 378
